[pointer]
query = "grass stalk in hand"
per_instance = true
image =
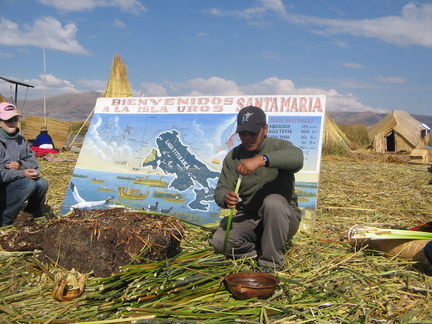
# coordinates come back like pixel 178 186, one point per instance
pixel 230 215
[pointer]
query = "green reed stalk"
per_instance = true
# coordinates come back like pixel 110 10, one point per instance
pixel 230 216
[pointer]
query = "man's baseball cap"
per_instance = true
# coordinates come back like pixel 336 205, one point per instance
pixel 251 119
pixel 7 111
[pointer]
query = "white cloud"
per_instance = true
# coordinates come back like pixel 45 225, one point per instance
pixel 411 27
pixel 212 86
pixel 347 102
pixel 131 6
pixel 354 66
pixel 335 100
pixel 92 85
pixel 392 79
pixel 340 43
pixel 103 142
pixel 119 23
pixel 276 6
pixel 54 85
pixel 46 31
pixel 272 56
pixel 5 55
pixel 205 87
pixel 353 84
pixel 153 90
pixel 271 86
pixel 255 13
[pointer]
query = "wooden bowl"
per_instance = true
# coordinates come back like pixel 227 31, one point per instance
pixel 246 285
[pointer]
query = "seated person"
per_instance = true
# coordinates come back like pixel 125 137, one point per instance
pixel 267 215
pixel 20 179
pixel 44 140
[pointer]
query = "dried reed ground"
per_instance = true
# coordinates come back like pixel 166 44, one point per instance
pixel 325 279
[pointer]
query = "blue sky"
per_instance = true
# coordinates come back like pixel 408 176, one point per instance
pixel 368 55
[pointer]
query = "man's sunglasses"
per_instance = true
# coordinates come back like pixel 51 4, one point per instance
pixel 11 120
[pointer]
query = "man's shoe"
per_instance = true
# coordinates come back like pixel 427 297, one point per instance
pixel 265 269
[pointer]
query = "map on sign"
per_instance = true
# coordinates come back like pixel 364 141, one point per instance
pixel 176 159
pixel 169 162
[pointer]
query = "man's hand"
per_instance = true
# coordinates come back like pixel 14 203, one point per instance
pixel 248 166
pixel 14 165
pixel 31 173
pixel 231 199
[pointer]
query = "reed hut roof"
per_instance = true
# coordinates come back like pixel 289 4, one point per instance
pixel 118 83
pixel 334 136
pixel 403 124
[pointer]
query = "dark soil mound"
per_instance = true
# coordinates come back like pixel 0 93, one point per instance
pixel 100 240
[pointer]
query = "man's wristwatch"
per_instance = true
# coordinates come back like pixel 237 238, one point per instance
pixel 266 161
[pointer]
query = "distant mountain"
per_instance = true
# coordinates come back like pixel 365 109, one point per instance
pixel 78 106
pixel 344 117
pixel 67 107
pixel 368 118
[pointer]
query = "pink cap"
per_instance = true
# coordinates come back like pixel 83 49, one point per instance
pixel 7 111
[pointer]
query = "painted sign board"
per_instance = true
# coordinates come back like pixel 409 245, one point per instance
pixel 165 154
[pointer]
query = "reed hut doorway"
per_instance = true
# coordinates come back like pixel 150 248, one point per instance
pixel 390 142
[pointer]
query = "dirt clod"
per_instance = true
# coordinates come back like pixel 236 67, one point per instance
pixel 100 240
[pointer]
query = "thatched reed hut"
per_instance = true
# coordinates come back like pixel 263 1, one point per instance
pixel 397 132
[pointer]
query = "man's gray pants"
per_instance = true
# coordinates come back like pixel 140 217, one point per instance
pixel 263 235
